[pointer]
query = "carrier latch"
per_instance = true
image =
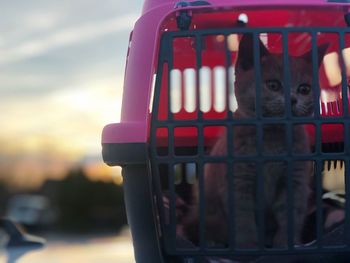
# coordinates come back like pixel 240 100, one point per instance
pixel 184 18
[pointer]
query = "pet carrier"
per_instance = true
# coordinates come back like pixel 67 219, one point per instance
pixel 234 133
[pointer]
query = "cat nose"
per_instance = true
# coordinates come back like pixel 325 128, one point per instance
pixel 293 100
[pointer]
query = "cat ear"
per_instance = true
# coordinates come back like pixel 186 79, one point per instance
pixel 245 58
pixel 321 52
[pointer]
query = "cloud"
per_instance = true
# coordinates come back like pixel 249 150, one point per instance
pixel 61 75
pixel 70 119
pixel 65 37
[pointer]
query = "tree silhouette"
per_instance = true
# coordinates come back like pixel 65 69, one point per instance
pixel 85 205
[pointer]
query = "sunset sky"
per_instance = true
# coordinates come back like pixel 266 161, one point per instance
pixel 61 75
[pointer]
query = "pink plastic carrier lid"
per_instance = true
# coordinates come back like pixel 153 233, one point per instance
pixel 142 57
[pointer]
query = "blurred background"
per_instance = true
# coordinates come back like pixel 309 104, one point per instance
pixel 61 77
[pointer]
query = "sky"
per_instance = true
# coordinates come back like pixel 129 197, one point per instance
pixel 61 77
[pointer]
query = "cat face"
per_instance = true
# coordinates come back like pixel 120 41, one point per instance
pixel 272 84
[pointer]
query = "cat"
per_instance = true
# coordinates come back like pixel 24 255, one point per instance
pixel 246 211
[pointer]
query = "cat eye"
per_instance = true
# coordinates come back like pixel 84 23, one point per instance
pixel 304 89
pixel 274 85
